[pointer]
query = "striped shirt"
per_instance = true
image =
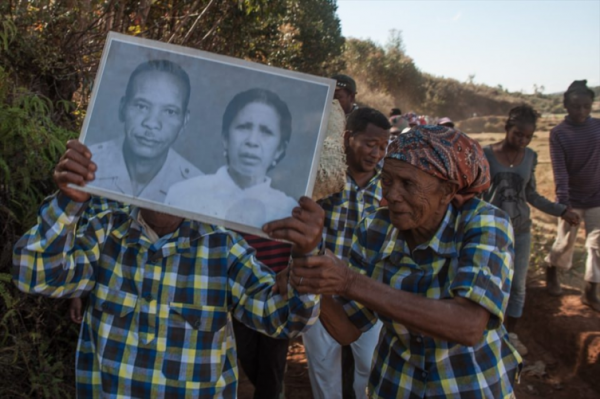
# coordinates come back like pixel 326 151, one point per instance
pixel 158 322
pixel 273 254
pixel 470 256
pixel 345 209
pixel 575 153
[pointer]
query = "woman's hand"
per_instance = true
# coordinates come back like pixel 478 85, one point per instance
pixel 75 167
pixel 303 229
pixel 325 274
pixel 571 217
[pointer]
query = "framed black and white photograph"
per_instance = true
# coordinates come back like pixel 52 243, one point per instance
pixel 203 136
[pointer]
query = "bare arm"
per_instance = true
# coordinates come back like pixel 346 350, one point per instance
pixel 334 319
pixel 457 320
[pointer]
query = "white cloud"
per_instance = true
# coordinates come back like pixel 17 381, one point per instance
pixel 457 16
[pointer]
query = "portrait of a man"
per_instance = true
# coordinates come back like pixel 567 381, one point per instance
pixel 153 111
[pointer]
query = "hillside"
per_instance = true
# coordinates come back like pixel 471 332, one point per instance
pixel 387 77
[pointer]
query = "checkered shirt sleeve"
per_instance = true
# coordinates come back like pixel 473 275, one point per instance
pixel 469 256
pixel 158 322
pixel 344 210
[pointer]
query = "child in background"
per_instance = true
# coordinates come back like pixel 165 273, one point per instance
pixel 512 170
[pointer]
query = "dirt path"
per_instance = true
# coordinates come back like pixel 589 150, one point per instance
pixel 563 339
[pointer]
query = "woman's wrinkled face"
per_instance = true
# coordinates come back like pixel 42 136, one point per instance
pixel 415 198
pixel 254 140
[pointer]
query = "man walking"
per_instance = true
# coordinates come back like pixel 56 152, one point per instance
pixel 365 139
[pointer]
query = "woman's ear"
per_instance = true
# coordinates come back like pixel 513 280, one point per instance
pixel 449 189
pixel 280 152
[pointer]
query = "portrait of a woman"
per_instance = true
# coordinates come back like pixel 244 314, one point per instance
pixel 256 130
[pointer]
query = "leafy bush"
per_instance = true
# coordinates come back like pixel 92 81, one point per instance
pixel 36 341
pixel 49 54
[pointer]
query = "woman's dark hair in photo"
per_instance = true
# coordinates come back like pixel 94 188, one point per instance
pixel 395 111
pixel 262 96
pixel 523 114
pixel 578 87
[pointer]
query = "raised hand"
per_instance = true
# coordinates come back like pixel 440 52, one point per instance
pixel 303 229
pixel 75 167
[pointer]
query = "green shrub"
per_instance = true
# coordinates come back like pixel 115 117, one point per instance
pixel 37 343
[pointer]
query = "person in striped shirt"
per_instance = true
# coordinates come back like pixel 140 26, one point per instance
pixel 575 154
pixel 162 290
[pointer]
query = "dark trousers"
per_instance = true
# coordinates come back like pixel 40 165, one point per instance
pixel 263 360
pixel 347 373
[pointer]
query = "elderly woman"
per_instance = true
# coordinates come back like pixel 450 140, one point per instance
pixel 435 266
pixel 256 130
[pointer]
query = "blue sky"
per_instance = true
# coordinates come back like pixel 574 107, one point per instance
pixel 513 43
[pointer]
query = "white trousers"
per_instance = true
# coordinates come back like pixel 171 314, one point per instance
pixel 324 357
pixel 561 254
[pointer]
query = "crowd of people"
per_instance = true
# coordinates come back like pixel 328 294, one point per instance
pixel 408 283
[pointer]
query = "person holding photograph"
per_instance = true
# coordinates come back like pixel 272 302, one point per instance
pixel 154 111
pixel 256 131
pixel 162 290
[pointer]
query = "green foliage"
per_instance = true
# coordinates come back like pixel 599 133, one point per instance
pixel 49 55
pixel 55 47
pixel 31 144
pixel 388 70
pixel 36 346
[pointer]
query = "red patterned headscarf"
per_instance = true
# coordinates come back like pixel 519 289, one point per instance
pixel 447 154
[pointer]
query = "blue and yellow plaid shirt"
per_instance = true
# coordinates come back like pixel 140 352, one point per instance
pixel 345 209
pixel 158 323
pixel 470 256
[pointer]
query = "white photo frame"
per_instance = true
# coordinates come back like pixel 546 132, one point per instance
pixel 207 172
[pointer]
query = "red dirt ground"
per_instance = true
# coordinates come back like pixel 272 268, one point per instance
pixel 565 335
